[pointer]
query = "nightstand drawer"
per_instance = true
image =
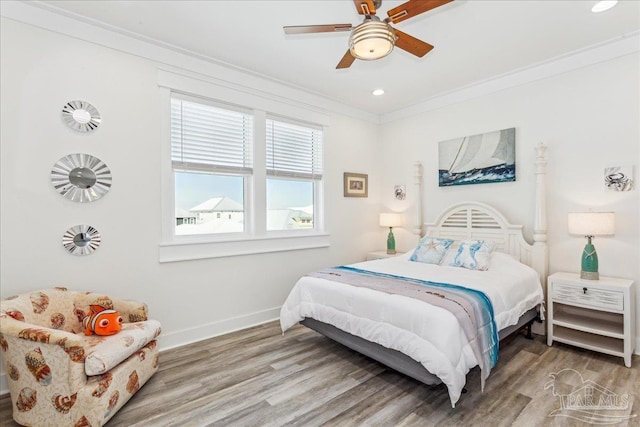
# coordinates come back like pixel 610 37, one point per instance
pixel 598 298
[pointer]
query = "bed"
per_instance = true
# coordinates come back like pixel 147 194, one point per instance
pixel 420 337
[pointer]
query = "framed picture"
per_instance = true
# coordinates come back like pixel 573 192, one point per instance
pixel 618 178
pixel 477 159
pixel 355 185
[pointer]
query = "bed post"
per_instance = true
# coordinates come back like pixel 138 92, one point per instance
pixel 539 254
pixel 417 180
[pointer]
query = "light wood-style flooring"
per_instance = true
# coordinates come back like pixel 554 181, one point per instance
pixel 258 377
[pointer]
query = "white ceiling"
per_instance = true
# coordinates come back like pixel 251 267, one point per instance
pixel 474 40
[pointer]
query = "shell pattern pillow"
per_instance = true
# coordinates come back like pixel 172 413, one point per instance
pixel 474 254
pixel 431 250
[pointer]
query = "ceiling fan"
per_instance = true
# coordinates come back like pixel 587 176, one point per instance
pixel 375 38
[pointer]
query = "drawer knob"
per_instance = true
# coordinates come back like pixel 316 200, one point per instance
pixel 584 290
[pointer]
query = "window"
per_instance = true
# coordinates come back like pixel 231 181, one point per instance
pixel 294 172
pixel 233 160
pixel 212 152
pixel 211 155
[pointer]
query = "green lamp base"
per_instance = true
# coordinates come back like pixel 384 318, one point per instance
pixel 391 242
pixel 589 269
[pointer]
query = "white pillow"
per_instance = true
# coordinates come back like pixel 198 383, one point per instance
pixel 431 250
pixel 474 254
pixel 104 353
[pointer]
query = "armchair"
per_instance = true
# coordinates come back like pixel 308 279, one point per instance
pixel 56 374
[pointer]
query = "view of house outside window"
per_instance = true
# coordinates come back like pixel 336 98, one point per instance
pixel 289 204
pixel 208 203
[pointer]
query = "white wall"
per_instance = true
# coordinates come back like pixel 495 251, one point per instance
pixel 41 71
pixel 588 118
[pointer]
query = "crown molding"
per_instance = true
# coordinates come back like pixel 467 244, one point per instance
pixel 600 52
pixel 50 18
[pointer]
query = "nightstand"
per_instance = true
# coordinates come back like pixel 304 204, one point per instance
pixel 598 315
pixel 381 255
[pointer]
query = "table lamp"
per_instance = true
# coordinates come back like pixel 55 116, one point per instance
pixel 590 224
pixel 391 220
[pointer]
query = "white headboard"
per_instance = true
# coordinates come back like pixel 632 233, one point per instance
pixel 475 220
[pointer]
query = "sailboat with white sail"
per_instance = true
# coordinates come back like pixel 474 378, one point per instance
pixel 486 157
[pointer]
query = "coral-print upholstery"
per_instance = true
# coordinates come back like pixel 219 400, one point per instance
pixel 45 357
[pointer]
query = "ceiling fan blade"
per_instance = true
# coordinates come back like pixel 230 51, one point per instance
pixel 412 8
pixel 365 7
pixel 304 29
pixel 411 44
pixel 346 60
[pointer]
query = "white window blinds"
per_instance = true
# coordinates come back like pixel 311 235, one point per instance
pixel 293 150
pixel 209 139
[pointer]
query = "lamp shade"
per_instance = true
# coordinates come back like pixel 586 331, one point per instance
pixel 390 220
pixel 592 223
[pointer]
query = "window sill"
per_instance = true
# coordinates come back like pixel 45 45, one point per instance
pixel 193 249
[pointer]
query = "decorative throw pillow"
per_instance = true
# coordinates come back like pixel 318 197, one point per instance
pixel 451 254
pixel 105 352
pixel 431 250
pixel 474 254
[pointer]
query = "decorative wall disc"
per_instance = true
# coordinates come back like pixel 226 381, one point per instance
pixel 81 240
pixel 81 116
pixel 81 177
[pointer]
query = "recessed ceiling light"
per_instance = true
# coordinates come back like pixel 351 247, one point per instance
pixel 378 92
pixel 603 5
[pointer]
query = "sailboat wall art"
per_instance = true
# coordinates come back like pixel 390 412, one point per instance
pixel 478 159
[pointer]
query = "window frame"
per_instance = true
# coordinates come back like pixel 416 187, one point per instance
pixel 247 177
pixel 255 239
pixel 318 187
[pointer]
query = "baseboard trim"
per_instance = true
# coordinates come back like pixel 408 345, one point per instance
pixel 214 329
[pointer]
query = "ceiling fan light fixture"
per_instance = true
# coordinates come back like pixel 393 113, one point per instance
pixel 371 40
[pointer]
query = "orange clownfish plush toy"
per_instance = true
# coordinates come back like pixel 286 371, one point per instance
pixel 101 321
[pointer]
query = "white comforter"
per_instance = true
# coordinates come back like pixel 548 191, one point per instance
pixel 428 334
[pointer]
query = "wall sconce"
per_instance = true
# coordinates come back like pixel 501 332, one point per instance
pixel 391 220
pixel 590 224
